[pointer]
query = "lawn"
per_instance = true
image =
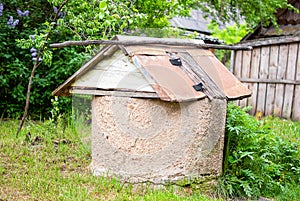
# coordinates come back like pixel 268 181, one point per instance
pixel 50 161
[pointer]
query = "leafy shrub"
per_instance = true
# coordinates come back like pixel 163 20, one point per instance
pixel 258 161
pixel 16 63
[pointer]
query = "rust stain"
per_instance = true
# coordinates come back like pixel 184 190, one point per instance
pixel 172 84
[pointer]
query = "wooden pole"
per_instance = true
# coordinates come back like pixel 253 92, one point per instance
pixel 148 42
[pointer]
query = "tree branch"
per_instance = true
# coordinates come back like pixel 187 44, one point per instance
pixel 36 64
pixel 146 42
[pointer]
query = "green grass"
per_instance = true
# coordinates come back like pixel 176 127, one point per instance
pixel 51 162
pixel 289 131
pixel 285 128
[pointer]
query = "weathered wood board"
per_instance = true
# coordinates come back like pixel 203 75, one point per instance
pixel 270 98
pixel 296 102
pixel 238 68
pixel 255 59
pixel 290 74
pixel 246 66
pixel 283 52
pixel 116 72
pixel 263 73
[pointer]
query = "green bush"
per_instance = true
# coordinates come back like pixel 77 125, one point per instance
pixel 16 63
pixel 258 161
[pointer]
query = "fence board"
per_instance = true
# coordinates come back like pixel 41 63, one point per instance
pixel 232 60
pixel 272 75
pixel 269 80
pixel 255 60
pixel 296 104
pixel 282 61
pixel 290 74
pixel 246 64
pixel 263 73
pixel 237 70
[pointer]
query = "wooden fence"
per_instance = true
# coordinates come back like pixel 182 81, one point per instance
pixel 272 71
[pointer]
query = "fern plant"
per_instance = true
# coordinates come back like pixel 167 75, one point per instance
pixel 258 161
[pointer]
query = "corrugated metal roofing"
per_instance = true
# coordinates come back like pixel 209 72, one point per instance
pixel 174 73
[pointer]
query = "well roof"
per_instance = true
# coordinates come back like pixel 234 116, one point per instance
pixel 169 72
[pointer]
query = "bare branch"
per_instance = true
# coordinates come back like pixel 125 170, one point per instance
pixel 146 42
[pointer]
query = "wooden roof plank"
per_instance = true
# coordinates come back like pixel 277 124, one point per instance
pixel 105 52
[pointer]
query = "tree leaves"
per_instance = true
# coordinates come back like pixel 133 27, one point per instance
pixel 103 5
pixel 252 12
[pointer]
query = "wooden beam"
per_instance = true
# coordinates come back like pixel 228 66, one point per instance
pixel 99 92
pixel 273 81
pixel 147 42
pixel 271 41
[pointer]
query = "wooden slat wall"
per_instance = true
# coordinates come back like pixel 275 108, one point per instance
pixel 274 62
pixel 238 67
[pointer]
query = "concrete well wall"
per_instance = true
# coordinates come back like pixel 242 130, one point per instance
pixel 140 140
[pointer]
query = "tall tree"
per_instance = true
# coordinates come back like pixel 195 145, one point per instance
pixel 250 11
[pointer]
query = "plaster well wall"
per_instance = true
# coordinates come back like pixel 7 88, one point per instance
pixel 141 140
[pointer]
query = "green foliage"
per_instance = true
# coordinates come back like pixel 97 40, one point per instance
pixel 259 160
pixel 16 62
pixel 252 12
pixel 231 34
pixel 159 12
pixel 98 19
pixel 166 32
